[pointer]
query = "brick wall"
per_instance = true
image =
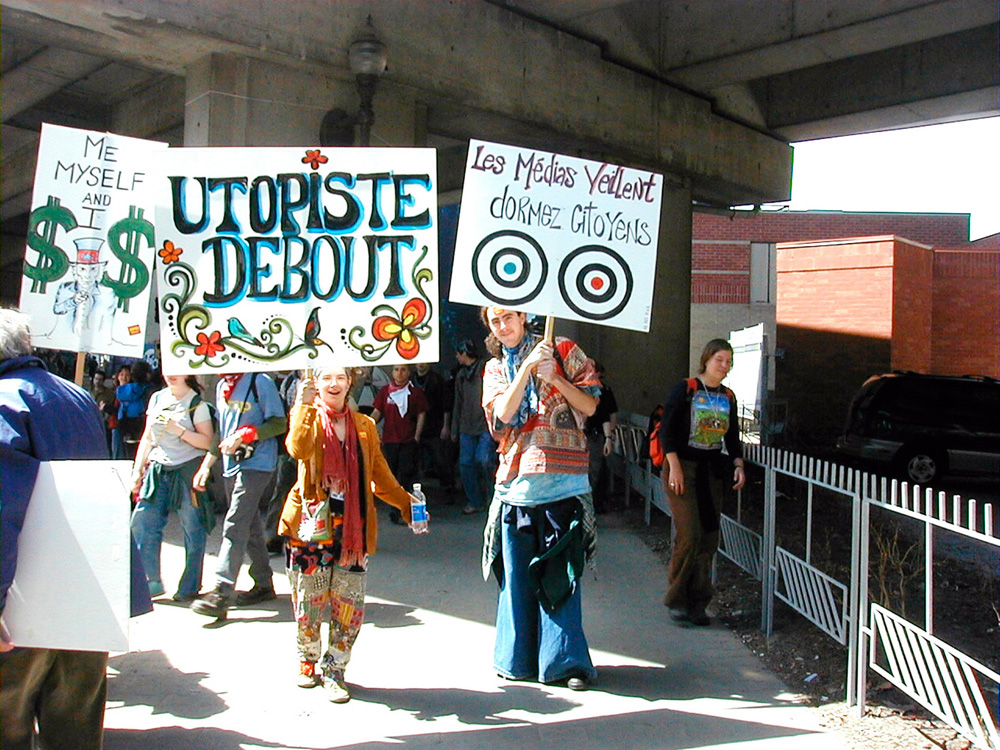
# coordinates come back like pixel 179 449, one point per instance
pixel 912 285
pixel 722 243
pixel 948 230
pixel 834 325
pixel 966 301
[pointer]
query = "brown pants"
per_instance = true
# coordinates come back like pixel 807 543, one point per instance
pixel 689 578
pixel 63 690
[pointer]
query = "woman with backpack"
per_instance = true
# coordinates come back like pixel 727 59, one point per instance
pixel 699 418
pixel 179 431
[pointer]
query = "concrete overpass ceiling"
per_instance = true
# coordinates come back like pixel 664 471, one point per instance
pixel 669 84
pixel 837 68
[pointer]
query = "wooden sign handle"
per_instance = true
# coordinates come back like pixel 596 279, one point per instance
pixel 550 324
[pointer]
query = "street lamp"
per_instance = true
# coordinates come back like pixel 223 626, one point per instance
pixel 367 59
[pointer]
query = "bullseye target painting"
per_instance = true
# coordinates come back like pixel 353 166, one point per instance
pixel 557 235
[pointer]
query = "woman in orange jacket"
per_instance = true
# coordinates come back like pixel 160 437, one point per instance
pixel 330 524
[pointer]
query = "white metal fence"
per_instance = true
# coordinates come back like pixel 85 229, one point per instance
pixel 955 687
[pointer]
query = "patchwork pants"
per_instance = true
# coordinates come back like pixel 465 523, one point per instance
pixel 328 594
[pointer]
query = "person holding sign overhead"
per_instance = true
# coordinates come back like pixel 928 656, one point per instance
pixel 330 524
pixel 541 526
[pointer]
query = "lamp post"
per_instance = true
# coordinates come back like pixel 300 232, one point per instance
pixel 367 60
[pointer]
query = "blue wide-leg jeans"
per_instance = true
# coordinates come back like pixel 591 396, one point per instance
pixel 476 466
pixel 530 641
pixel 148 521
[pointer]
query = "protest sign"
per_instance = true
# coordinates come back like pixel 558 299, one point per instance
pixel 90 246
pixel 71 588
pixel 557 235
pixel 285 258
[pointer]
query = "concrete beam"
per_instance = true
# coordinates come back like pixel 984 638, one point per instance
pixel 851 40
pixel 42 75
pixel 478 56
pixel 155 108
pixel 20 153
pixel 948 66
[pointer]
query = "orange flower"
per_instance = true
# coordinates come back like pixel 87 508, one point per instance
pixel 314 158
pixel 386 328
pixel 169 253
pixel 209 346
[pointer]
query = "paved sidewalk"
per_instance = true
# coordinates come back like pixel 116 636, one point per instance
pixel 421 671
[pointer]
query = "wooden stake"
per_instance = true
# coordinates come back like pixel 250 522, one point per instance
pixel 550 325
pixel 81 360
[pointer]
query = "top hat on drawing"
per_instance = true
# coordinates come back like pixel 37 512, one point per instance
pixel 88 250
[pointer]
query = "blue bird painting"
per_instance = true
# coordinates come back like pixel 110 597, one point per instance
pixel 238 331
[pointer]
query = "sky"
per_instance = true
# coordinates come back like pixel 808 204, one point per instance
pixel 950 168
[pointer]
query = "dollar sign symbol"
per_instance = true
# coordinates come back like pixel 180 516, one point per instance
pixel 52 260
pixel 134 274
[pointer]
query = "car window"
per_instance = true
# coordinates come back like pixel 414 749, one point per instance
pixel 975 406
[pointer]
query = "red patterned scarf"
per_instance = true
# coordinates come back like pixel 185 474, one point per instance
pixel 340 461
pixel 229 383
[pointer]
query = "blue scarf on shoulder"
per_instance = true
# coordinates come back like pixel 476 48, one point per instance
pixel 512 359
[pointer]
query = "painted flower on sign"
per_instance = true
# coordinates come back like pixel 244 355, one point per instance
pixel 209 345
pixel 314 158
pixel 388 328
pixel 170 253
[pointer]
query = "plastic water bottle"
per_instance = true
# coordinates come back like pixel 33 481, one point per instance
pixel 418 510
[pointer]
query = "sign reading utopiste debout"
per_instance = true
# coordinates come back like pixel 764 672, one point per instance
pixel 557 235
pixel 90 246
pixel 287 258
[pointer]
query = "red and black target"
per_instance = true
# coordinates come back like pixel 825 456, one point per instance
pixel 595 282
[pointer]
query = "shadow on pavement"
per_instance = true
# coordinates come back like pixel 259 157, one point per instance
pixel 147 678
pixel 468 706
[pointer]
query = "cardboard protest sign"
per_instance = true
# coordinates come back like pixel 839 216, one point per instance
pixel 89 257
pixel 284 258
pixel 557 235
pixel 78 599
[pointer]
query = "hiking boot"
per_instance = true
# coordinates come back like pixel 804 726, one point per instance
pixel 336 690
pixel 255 595
pixel 214 604
pixel 308 676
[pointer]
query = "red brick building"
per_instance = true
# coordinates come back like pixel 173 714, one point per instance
pixel 903 291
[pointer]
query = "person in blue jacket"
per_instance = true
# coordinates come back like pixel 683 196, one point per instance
pixel 45 418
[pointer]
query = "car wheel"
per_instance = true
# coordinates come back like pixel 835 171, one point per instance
pixel 921 466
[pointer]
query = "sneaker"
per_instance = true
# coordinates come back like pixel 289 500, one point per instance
pixel 578 683
pixel 678 615
pixel 698 616
pixel 214 604
pixel 336 690
pixel 308 676
pixel 469 510
pixel 256 595
pixel 156 589
pixel 184 598
pixel 396 517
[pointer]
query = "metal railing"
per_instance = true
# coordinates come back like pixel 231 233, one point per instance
pixel 947 682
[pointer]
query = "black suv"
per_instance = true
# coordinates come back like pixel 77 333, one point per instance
pixel 926 425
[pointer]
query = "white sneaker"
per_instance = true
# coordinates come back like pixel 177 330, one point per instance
pixel 336 691
pixel 308 676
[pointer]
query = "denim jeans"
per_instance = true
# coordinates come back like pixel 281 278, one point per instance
pixel 531 642
pixel 148 521
pixel 476 466
pixel 243 529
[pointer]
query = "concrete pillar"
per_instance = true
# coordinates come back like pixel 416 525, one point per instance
pixel 241 101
